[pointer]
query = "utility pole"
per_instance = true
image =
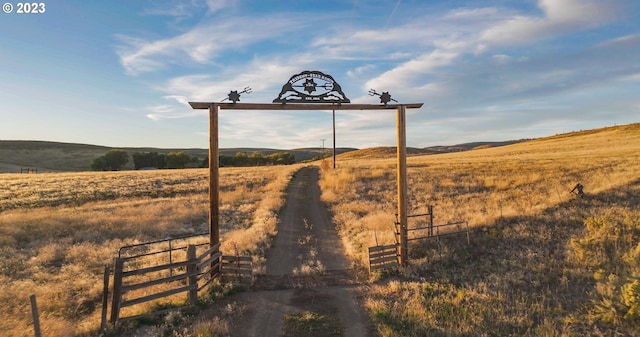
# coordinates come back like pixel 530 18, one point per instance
pixel 334 139
pixel 323 139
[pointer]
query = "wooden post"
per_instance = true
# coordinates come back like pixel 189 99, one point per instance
pixel 193 277
pixel 214 175
pixel 36 316
pixel 117 290
pixel 402 185
pixel 105 298
pixel 430 220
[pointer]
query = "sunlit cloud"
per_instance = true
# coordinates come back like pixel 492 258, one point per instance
pixel 460 63
pixel 200 45
pixel 558 17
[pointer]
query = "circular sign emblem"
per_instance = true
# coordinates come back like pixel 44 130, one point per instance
pixel 311 87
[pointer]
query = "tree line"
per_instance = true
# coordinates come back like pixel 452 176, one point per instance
pixel 117 159
pixel 257 159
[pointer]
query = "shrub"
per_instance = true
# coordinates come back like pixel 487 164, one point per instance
pixel 610 246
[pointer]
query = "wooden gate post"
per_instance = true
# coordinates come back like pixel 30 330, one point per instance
pixel 105 298
pixel 117 290
pixel 401 123
pixel 214 175
pixel 192 272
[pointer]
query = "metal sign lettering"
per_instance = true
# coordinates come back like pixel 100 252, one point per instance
pixel 311 87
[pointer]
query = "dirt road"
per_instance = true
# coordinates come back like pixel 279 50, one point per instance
pixel 307 272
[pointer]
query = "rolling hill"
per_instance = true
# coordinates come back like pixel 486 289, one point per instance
pixel 46 156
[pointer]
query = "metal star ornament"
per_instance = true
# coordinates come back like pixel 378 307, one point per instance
pixel 310 85
pixel 385 97
pixel 234 95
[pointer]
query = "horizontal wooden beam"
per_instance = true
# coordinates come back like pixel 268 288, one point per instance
pixel 301 106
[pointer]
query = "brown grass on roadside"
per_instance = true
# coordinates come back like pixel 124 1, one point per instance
pixel 59 230
pixel 517 277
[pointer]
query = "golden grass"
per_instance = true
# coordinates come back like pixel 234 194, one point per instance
pixel 516 277
pixel 59 230
pixel 519 276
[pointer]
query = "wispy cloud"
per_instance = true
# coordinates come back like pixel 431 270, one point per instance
pixel 558 17
pixel 202 44
pixel 187 9
pixel 466 64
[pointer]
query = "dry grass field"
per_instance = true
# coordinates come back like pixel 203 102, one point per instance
pixel 541 261
pixel 59 230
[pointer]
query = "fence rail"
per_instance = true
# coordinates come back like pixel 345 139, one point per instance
pixel 387 257
pixel 238 269
pixel 204 267
pixel 450 228
pixel 383 257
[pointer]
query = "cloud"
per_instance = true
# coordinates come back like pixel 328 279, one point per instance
pixel 559 17
pixel 180 99
pixel 411 72
pixel 202 44
pixel 218 5
pixel 171 110
pixel 178 10
pixel 264 77
pixel 260 75
pixel 186 9
pixel 490 68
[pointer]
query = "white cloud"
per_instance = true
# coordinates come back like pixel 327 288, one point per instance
pixel 180 99
pixel 358 72
pixel 406 74
pixel 218 5
pixel 559 17
pixel 200 44
pixel 467 65
pixel 260 75
pixel 501 58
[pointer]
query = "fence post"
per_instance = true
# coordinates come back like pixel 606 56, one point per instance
pixel 213 273
pixel 193 277
pixel 468 240
pixel 105 298
pixel 117 290
pixel 170 259
pixel 430 220
pixel 401 126
pixel 36 317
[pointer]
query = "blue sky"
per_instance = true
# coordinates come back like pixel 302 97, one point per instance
pixel 120 73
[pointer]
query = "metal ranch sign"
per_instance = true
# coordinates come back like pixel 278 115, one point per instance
pixel 311 87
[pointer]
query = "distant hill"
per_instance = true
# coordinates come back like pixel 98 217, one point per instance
pixel 61 157
pixel 390 151
pixel 473 146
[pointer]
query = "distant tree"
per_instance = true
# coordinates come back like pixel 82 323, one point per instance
pixel 254 159
pixel 281 158
pixel 149 159
pixel 99 164
pixel 113 160
pixel 224 161
pixel 177 159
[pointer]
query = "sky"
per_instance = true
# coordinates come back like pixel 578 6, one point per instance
pixel 120 73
